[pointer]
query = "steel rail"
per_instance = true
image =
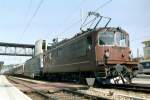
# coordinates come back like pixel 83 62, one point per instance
pixel 130 87
pixel 65 90
pixel 47 97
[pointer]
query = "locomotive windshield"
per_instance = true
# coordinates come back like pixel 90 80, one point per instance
pixel 111 38
pixel 106 38
pixel 122 39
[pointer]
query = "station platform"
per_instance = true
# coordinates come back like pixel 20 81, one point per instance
pixel 10 92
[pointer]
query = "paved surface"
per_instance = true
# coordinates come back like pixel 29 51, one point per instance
pixel 9 92
pixel 141 79
pixel 40 84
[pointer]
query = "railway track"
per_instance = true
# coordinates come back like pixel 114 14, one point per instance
pixel 114 92
pixel 55 93
pixel 129 87
pixel 34 94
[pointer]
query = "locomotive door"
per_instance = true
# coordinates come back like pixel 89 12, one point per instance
pixel 90 49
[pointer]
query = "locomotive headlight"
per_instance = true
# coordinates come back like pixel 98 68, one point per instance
pixel 123 55
pixel 107 55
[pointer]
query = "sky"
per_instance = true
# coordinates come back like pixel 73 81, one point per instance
pixel 56 18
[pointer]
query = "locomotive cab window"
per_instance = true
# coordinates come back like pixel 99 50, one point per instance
pixel 114 38
pixel 121 39
pixel 106 38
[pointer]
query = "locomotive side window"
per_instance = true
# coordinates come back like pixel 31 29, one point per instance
pixel 89 40
pixel 81 48
pixel 106 38
pixel 59 52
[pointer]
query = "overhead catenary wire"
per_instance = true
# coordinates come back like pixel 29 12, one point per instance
pixel 72 25
pixel 79 6
pixel 101 6
pixel 70 17
pixel 28 9
pixel 32 17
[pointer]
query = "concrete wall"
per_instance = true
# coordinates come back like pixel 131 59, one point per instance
pixel 146 50
pixel 147 53
pixel 40 47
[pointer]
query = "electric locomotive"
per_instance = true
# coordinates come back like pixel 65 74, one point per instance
pixel 102 53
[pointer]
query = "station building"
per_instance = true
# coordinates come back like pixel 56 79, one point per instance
pixel 146 49
pixel 146 61
pixel 1 64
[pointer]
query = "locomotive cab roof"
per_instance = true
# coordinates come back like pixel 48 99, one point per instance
pixel 88 31
pixel 113 29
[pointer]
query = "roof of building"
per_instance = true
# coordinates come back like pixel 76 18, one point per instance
pixel 145 41
pixel 145 61
pixel 1 62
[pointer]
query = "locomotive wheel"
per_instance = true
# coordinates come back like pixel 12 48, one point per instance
pixel 124 73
